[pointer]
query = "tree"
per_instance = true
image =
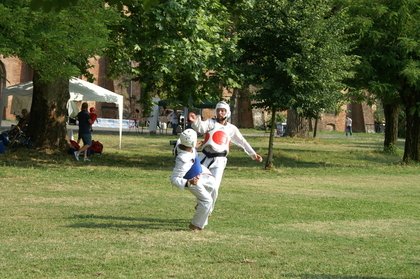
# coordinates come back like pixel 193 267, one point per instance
pixel 295 52
pixel 56 45
pixel 389 47
pixel 180 52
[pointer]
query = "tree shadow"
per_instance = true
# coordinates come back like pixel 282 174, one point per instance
pixel 92 221
pixel 293 157
pixel 331 276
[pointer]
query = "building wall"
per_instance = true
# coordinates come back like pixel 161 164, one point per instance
pixel 15 72
pixel 333 122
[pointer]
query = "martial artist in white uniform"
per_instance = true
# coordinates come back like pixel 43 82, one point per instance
pixel 219 133
pixel 190 174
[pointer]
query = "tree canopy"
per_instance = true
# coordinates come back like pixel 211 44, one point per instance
pixel 180 49
pixel 296 53
pixel 389 48
pixel 57 46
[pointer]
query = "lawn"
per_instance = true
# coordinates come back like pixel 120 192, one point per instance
pixel 333 207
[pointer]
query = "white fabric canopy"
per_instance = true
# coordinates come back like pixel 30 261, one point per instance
pixel 80 90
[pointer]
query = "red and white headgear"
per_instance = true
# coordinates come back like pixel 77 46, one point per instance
pixel 224 105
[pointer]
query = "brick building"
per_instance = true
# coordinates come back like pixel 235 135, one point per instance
pixel 14 71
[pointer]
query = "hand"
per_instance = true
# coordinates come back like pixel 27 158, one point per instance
pixel 199 144
pixel 192 117
pixel 257 157
pixel 194 180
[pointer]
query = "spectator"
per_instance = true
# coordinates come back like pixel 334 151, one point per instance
pixel 349 122
pixel 23 120
pixel 85 134
pixel 173 116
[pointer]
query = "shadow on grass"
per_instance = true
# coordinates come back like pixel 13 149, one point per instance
pixel 301 158
pixel 294 157
pixel 92 221
pixel 329 276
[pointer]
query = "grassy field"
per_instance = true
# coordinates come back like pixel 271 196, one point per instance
pixel 333 207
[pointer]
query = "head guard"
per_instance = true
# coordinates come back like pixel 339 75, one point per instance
pixel 188 138
pixel 224 105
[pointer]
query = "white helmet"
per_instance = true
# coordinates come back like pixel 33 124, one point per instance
pixel 188 138
pixel 224 105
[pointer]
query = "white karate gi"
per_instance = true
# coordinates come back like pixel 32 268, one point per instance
pixel 203 191
pixel 216 146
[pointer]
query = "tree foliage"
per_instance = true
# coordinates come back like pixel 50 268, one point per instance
pixel 180 48
pixel 389 46
pixel 296 53
pixel 56 45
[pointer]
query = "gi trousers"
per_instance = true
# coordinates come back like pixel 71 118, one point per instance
pixel 204 191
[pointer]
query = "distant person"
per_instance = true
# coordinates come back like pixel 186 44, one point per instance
pixel 173 118
pixel 136 118
pixel 188 173
pixel 218 135
pixel 349 122
pixel 93 117
pixel 85 124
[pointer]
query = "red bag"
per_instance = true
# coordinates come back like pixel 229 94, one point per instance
pixel 96 146
pixel 74 145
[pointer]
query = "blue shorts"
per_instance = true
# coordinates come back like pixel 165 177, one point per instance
pixel 87 139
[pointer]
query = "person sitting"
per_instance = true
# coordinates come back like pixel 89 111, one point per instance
pixel 23 120
pixel 136 118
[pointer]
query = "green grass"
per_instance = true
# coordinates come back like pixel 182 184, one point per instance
pixel 333 207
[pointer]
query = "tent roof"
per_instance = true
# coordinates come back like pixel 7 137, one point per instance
pixel 80 90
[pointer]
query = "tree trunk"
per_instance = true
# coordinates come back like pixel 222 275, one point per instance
pixel 242 113
pixel 311 129
pixel 411 100
pixel 292 123
pixel 269 162
pixel 412 140
pixel 47 125
pixel 315 127
pixel 297 126
pixel 391 112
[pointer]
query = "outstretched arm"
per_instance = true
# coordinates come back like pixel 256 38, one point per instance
pixel 199 125
pixel 240 141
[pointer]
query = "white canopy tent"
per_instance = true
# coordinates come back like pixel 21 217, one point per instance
pixel 80 90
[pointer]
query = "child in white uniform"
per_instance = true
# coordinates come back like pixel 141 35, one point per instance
pixel 190 174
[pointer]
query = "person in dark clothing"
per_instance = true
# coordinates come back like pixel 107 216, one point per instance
pixel 23 120
pixel 85 123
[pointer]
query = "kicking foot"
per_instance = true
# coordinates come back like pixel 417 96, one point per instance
pixel 194 228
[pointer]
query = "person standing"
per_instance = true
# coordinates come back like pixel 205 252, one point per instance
pixel 188 173
pixel 85 123
pixel 218 135
pixel 173 116
pixel 349 122
pixel 93 116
